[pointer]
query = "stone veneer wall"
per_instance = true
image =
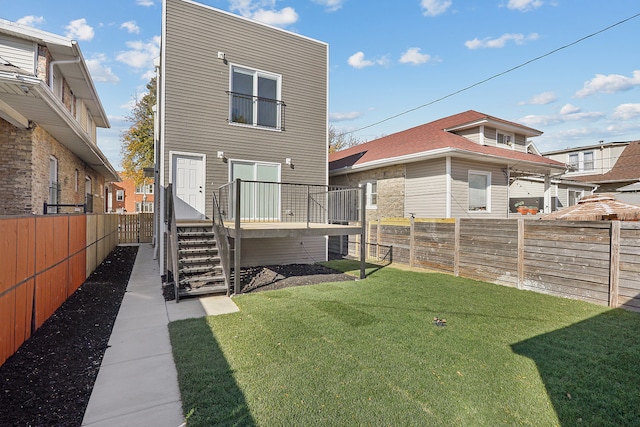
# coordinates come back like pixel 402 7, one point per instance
pixel 390 179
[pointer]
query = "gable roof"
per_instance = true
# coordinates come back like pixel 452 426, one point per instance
pixel 626 168
pixel 436 139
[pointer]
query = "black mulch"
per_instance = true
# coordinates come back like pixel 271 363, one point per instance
pixel 48 381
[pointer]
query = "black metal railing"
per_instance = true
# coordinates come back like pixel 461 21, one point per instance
pixel 256 111
pixel 222 241
pixel 261 201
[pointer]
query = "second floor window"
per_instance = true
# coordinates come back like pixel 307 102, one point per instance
pixel 255 98
pixel 144 189
pixel 588 160
pixel 120 195
pixel 573 160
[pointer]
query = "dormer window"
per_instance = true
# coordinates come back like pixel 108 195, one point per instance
pixel 503 138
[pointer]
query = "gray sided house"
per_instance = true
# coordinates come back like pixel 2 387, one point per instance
pixel 241 100
pixel 459 166
pixel 49 112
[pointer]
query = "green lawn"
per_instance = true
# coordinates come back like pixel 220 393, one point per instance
pixel 367 353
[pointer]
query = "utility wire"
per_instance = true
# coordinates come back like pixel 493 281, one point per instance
pixel 495 75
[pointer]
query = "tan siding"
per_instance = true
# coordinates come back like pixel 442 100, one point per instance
pixel 520 143
pixel 20 53
pixel 197 105
pixel 426 189
pixel 460 190
pixel 472 134
pixel 525 188
pixel 283 251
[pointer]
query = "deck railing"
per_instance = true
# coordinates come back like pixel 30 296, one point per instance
pixel 172 242
pixel 260 201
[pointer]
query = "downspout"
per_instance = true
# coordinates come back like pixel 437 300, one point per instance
pixel 63 61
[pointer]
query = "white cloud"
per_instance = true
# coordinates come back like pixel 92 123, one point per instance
pixel 264 11
pixel 413 56
pixel 500 42
pixel 340 117
pixel 568 113
pixel 524 5
pixel 543 98
pixel 435 7
pixel 569 109
pixel 357 61
pixel 331 5
pixel 145 3
pixel 131 27
pixel 141 54
pixel 612 83
pixel 626 112
pixel 31 20
pixel 79 30
pixel 99 71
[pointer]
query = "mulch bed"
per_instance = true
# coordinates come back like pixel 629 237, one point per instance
pixel 49 380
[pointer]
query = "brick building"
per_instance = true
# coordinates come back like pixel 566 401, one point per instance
pixel 126 196
pixel 49 112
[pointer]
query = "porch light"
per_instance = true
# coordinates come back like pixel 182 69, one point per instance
pixel 289 162
pixel 222 156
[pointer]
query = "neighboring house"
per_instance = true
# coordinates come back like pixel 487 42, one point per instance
pixel 455 167
pixel 49 112
pixel 126 196
pixel 609 166
pixel 224 84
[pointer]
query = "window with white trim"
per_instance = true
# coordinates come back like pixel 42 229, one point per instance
pixel 119 195
pixel 573 160
pixel 587 161
pixel 504 138
pixel 479 191
pixel 372 194
pixel 255 98
pixel 144 207
pixel 144 189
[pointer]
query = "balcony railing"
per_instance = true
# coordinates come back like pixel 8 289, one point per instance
pixel 256 111
pixel 259 201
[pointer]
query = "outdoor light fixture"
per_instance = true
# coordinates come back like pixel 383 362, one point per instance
pixel 222 57
pixel 289 162
pixel 222 156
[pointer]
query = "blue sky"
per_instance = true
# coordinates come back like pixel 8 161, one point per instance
pixel 390 57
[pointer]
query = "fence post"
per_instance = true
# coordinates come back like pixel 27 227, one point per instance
pixel 412 240
pixel 237 243
pixel 614 264
pixel 456 248
pixel 520 253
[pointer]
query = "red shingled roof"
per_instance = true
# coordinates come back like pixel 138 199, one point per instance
pixel 433 137
pixel 626 168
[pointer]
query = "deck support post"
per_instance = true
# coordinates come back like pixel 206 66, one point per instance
pixel 237 243
pixel 363 232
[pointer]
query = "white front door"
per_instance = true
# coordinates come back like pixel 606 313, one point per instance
pixel 188 186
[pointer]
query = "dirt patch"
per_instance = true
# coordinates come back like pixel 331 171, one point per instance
pixel 272 277
pixel 49 380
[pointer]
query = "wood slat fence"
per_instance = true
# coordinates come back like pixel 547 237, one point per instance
pixel 44 259
pixel 135 227
pixel 595 261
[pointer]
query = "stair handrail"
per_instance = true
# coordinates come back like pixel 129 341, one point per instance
pixel 221 235
pixel 172 244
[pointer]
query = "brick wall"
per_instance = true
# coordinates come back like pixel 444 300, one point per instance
pixel 15 173
pixel 24 178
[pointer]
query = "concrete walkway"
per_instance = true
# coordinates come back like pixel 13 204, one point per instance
pixel 137 382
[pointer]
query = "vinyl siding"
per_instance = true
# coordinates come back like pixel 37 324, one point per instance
pixel 278 251
pixel 20 53
pixel 472 134
pixel 197 105
pixel 426 189
pixel 460 190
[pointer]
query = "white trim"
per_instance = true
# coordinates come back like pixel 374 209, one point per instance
pixel 448 185
pixel 488 190
pixel 481 140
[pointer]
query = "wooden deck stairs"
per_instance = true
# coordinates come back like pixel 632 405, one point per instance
pixel 199 262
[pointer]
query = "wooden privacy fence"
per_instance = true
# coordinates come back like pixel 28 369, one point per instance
pixel 135 227
pixel 43 260
pixel 595 261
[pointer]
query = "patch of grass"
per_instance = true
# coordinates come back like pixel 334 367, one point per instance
pixel 368 353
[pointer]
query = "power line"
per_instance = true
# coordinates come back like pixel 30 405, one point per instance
pixel 494 76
